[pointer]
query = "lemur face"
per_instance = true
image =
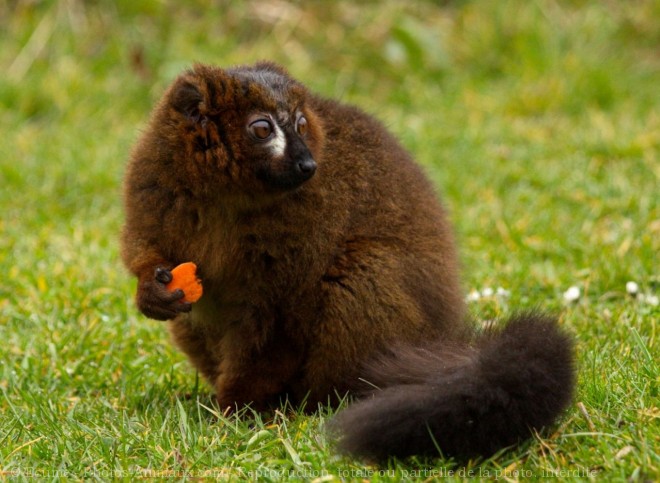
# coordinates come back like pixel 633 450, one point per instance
pixel 247 129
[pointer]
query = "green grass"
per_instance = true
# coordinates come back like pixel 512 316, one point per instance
pixel 538 121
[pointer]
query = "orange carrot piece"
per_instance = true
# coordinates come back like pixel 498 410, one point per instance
pixel 184 277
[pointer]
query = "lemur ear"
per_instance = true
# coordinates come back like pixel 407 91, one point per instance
pixel 187 99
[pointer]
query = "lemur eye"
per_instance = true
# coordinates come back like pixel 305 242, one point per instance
pixel 262 129
pixel 301 125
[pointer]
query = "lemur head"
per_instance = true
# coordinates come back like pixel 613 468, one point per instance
pixel 246 129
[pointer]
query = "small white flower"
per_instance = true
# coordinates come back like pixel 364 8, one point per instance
pixel 487 292
pixel 503 292
pixel 572 294
pixel 632 288
pixel 473 296
pixel 649 299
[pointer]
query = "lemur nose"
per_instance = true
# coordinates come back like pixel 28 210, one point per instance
pixel 307 166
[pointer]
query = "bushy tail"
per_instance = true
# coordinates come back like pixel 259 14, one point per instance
pixel 463 400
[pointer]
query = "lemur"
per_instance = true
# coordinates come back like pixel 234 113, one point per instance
pixel 329 268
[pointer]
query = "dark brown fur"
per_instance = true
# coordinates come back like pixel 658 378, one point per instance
pixel 306 281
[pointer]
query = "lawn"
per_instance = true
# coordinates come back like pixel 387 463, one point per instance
pixel 539 123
